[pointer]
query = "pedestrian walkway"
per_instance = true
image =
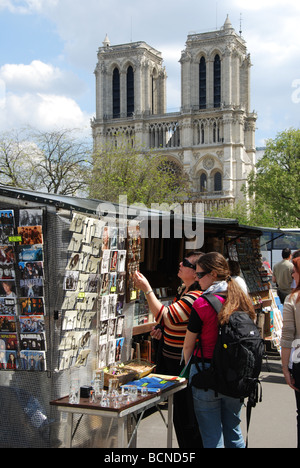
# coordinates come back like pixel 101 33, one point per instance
pixel 273 421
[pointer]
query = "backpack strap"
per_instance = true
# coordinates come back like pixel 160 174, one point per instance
pixel 213 301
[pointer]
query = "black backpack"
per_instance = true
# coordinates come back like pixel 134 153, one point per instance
pixel 237 359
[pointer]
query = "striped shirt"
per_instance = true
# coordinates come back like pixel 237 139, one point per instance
pixel 175 319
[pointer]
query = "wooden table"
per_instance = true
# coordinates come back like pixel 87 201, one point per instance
pixel 136 408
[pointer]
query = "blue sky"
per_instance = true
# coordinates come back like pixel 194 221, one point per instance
pixel 49 52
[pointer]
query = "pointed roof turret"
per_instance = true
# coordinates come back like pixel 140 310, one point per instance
pixel 227 24
pixel 106 42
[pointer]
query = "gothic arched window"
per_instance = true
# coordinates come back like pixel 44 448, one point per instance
pixel 217 81
pixel 203 182
pixel 130 91
pixel 202 84
pixel 116 94
pixel 218 182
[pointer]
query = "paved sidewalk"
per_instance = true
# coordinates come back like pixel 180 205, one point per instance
pixel 273 421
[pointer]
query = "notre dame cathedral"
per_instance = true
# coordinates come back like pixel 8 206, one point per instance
pixel 212 138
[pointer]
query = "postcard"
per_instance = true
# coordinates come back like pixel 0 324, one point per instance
pixel 103 355
pixel 119 346
pixel 71 280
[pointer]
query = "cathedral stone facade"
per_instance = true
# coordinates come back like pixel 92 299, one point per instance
pixel 212 138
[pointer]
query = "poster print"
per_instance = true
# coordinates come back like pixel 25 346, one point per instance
pixel 30 253
pixel 30 235
pixel 6 226
pixel 8 288
pixel 8 360
pixel 32 306
pixel 32 323
pixel 31 217
pixel 8 306
pixel 8 323
pixel 32 287
pixel 8 342
pixel 29 270
pixel 33 360
pixel 7 271
pixel 7 255
pixel 6 218
pixel 33 341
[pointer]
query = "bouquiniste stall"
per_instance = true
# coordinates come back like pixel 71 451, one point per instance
pixel 69 305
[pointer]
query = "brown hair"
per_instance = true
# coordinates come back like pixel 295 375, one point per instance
pixel 296 263
pixel 236 298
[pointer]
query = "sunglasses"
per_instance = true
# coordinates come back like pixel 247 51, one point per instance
pixel 201 274
pixel 188 264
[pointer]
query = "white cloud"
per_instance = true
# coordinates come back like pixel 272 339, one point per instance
pixel 270 28
pixel 42 111
pixel 25 7
pixel 40 95
pixel 39 77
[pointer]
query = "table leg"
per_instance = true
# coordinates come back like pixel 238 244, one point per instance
pixel 170 421
pixel 122 422
pixel 69 430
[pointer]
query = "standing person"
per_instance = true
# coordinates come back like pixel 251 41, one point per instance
pixel 174 319
pixel 282 275
pixel 235 273
pixel 290 339
pixel 218 415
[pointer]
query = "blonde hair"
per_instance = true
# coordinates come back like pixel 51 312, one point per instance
pixel 236 299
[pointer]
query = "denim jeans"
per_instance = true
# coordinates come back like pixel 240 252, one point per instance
pixel 218 417
pixel 296 374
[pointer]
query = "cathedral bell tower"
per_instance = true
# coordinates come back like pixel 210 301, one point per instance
pixel 211 138
pixel 130 82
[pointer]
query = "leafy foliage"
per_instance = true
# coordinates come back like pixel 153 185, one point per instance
pixel 277 179
pixel 143 176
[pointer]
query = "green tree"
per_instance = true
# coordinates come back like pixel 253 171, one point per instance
pixel 55 162
pixel 143 176
pixel 276 181
pixel 250 213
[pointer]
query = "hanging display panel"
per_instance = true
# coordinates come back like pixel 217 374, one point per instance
pixel 22 326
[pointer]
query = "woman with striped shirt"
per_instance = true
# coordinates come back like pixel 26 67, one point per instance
pixel 175 319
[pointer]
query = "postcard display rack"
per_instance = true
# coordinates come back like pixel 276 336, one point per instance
pixel 66 302
pixel 246 251
pixel 98 281
pixel 22 326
